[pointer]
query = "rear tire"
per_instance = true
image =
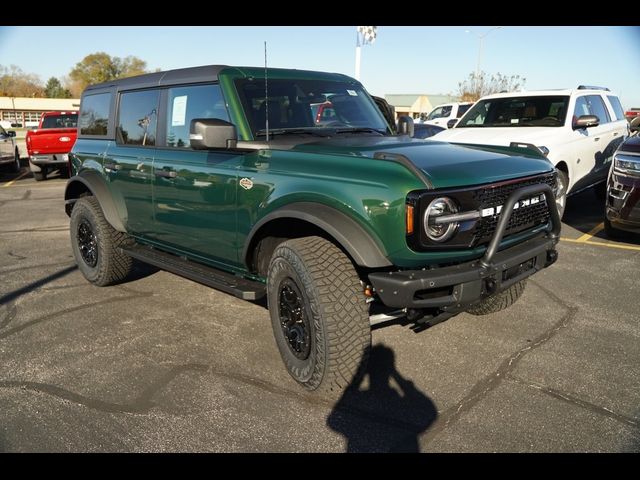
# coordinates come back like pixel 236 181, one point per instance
pixel 318 313
pixel 15 166
pixel 95 244
pixel 39 176
pixel 499 301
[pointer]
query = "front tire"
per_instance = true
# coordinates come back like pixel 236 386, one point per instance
pixel 499 301
pixel 561 192
pixel 95 244
pixel 318 313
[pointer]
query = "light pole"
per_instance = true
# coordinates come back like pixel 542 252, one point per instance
pixel 481 38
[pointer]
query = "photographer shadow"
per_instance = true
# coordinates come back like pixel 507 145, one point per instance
pixel 382 411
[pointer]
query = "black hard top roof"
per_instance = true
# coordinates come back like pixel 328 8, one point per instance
pixel 206 73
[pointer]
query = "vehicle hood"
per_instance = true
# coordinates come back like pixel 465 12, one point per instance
pixel 632 145
pixel 539 136
pixel 444 164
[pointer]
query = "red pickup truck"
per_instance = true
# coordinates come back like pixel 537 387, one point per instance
pixel 49 145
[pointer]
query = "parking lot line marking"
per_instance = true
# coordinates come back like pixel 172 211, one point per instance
pixel 591 233
pixel 24 174
pixel 600 244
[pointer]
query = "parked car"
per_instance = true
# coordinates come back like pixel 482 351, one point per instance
pixel 422 130
pixel 632 113
pixel 179 170
pixel 9 155
pixel 622 212
pixel 442 114
pixel 49 145
pixel 577 129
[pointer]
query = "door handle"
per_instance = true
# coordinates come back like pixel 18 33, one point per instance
pixel 596 139
pixel 615 134
pixel 166 173
pixel 112 166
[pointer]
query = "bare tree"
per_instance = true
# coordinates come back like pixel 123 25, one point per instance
pixel 477 86
pixel 16 83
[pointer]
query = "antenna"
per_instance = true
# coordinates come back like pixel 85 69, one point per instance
pixel 266 92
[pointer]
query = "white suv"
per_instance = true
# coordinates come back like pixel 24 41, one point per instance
pixel 577 129
pixel 445 112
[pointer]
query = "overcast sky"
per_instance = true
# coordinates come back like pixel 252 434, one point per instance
pixel 402 59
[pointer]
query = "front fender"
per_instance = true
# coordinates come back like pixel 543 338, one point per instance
pixel 365 250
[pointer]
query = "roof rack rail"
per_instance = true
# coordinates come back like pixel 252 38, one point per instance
pixel 593 87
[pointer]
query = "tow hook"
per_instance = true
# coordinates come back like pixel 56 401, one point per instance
pixel 490 285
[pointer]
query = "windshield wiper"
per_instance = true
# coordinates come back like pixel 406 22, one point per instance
pixel 359 130
pixel 291 131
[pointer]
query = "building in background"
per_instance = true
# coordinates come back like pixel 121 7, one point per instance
pixel 26 111
pixel 415 104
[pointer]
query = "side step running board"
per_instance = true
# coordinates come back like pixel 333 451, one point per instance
pixel 226 282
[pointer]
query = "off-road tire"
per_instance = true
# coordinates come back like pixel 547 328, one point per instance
pixel 112 266
pixel 499 301
pixel 338 319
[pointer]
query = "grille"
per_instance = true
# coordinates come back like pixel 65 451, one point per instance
pixel 521 219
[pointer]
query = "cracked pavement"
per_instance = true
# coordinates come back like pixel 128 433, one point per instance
pixel 163 364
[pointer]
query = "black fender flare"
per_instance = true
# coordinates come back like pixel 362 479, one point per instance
pixel 365 250
pixel 114 212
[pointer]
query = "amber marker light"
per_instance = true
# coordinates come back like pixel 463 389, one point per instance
pixel 409 219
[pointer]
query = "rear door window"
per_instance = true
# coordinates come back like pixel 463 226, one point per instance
pixel 138 118
pixel 617 107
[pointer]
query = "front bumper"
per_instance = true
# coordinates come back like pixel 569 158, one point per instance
pixel 459 286
pixel 623 202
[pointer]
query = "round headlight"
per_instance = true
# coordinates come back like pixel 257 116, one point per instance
pixel 440 232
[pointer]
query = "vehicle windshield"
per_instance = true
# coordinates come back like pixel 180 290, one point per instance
pixel 440 112
pixel 309 106
pixel 60 121
pixel 538 111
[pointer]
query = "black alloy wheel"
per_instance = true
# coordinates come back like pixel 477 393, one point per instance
pixel 87 243
pixel 294 319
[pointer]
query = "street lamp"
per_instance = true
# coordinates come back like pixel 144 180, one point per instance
pixel 481 38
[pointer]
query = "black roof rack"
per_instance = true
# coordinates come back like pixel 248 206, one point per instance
pixel 592 87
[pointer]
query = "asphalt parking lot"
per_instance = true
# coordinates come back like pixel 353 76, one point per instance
pixel 164 364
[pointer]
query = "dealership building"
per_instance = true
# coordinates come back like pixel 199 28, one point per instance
pixel 27 111
pixel 414 105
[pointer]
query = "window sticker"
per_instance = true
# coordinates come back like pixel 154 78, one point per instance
pixel 179 111
pixel 353 93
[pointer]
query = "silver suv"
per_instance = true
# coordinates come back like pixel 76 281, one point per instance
pixel 9 155
pixel 577 129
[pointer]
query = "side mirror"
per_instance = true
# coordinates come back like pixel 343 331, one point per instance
pixel 451 123
pixel 209 133
pixel 405 125
pixel 634 125
pixel 11 133
pixel 586 121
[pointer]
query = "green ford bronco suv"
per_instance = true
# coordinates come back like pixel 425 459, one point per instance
pixel 226 177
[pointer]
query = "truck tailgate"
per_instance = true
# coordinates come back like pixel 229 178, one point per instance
pixel 50 140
